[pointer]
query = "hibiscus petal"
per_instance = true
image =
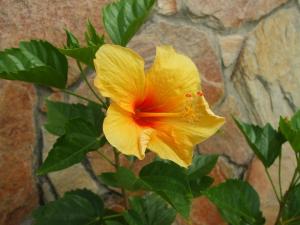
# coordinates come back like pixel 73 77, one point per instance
pixel 175 137
pixel 120 75
pixel 171 78
pixel 123 133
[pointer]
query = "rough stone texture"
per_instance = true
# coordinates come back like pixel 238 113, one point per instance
pixel 233 13
pixel 191 42
pixel 167 7
pixel 249 70
pixel 18 192
pixel 230 48
pixel 267 80
pixel 267 75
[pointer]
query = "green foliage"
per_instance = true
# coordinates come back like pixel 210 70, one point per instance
pixel 80 207
pixel 35 62
pixel 122 178
pixel 265 141
pixel 291 130
pixel 149 210
pixel 237 202
pixel 173 183
pixel 122 19
pixel 71 148
pixel 85 54
pixel 291 211
pixel 59 114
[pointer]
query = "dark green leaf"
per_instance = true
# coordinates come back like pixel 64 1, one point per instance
pixel 81 137
pixel 149 210
pixel 199 185
pixel 291 211
pixel 72 41
pixel 202 165
pixel 122 178
pixel 36 62
pixel 80 207
pixel 291 130
pixel 59 114
pixel 237 202
pixel 171 183
pixel 122 19
pixel 92 37
pixel 265 141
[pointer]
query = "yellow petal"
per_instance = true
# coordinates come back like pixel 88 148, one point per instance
pixel 123 133
pixel 174 137
pixel 120 75
pixel 171 78
pixel 173 145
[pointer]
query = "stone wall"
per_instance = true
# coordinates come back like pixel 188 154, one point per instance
pixel 248 54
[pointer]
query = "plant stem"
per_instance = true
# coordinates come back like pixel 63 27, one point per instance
pixel 117 165
pixel 284 199
pixel 112 216
pixel 83 75
pixel 106 158
pixel 279 176
pixel 76 95
pixel 272 183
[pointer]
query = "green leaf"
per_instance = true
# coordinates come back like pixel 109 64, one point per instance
pixel 123 19
pixel 86 54
pixel 291 130
pixel 92 38
pixel 237 202
pixel 170 182
pixel 149 210
pixel 81 137
pixel 72 41
pixel 80 207
pixel 59 114
pixel 202 165
pixel 291 211
pixel 35 62
pixel 122 178
pixel 199 185
pixel 265 141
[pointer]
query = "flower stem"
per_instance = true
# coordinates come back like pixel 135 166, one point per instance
pixel 279 177
pixel 284 199
pixel 76 95
pixel 117 165
pixel 272 183
pixel 84 77
pixel 106 158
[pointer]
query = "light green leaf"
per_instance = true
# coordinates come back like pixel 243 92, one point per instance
pixel 35 62
pixel 291 130
pixel 72 41
pixel 291 211
pixel 265 141
pixel 122 178
pixel 170 182
pixel 237 202
pixel 81 137
pixel 122 19
pixel 59 114
pixel 149 210
pixel 80 207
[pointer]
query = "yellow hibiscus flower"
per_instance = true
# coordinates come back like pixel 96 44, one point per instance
pixel 162 110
